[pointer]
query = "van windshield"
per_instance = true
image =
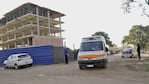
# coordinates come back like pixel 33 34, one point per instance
pixel 91 46
pixel 127 51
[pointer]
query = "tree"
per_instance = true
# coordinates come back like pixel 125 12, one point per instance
pixel 143 5
pixel 106 36
pixel 138 34
pixel 126 40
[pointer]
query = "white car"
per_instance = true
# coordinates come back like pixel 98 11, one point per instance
pixel 18 60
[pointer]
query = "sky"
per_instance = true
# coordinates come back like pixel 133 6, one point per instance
pixel 85 17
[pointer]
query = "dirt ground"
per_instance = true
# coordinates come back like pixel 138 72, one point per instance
pixel 119 71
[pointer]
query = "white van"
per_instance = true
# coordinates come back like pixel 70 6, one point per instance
pixel 92 52
pixel 129 53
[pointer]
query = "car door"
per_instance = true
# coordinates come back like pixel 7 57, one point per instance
pixel 11 61
pixel 8 61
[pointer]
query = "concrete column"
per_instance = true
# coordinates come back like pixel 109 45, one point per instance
pixel 38 28
pixel 7 37
pixel 28 41
pixel 31 22
pixel 3 47
pixel 49 22
pixel 15 44
pixel 8 46
pixel 32 33
pixel 60 26
pixel 37 12
pixel 22 41
pixel 15 36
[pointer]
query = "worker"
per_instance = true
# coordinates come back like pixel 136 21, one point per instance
pixel 66 56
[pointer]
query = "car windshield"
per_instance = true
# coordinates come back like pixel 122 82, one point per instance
pixel 91 46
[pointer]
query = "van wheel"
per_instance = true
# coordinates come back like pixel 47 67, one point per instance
pixel 122 56
pixel 81 68
pixel 16 66
pixel 105 66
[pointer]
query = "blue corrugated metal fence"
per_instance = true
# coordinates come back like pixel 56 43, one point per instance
pixel 40 54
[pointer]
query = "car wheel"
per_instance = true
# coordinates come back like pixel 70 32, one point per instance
pixel 30 65
pixel 16 66
pixel 5 67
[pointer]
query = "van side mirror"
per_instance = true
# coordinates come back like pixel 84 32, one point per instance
pixel 106 49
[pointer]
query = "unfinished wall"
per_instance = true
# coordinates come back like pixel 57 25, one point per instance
pixel 41 40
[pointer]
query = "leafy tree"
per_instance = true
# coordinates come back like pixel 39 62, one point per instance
pixel 106 36
pixel 126 40
pixel 129 5
pixel 142 33
pixel 138 34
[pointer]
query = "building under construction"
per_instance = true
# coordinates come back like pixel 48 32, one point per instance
pixel 31 25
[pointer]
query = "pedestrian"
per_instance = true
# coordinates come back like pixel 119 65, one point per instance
pixel 75 54
pixel 66 56
pixel 138 51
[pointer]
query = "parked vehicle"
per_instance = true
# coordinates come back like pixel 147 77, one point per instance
pixel 92 52
pixel 18 60
pixel 128 53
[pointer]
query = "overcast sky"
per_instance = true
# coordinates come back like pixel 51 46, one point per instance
pixel 85 17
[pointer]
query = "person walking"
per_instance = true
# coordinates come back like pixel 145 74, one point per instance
pixel 138 51
pixel 66 56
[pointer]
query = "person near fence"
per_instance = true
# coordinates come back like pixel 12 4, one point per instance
pixel 66 56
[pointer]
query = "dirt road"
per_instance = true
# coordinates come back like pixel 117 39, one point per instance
pixel 119 71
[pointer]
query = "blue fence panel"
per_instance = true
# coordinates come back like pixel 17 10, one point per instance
pixel 40 54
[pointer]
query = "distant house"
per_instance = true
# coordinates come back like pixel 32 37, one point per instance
pixel 31 25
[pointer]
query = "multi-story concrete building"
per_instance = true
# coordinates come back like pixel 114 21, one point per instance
pixel 31 25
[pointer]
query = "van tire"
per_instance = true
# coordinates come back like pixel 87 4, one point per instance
pixel 104 66
pixel 81 67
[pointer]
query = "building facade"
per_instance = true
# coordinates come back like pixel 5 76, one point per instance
pixel 31 25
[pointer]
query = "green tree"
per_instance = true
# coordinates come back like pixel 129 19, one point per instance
pixel 126 40
pixel 138 34
pixel 106 36
pixel 129 5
